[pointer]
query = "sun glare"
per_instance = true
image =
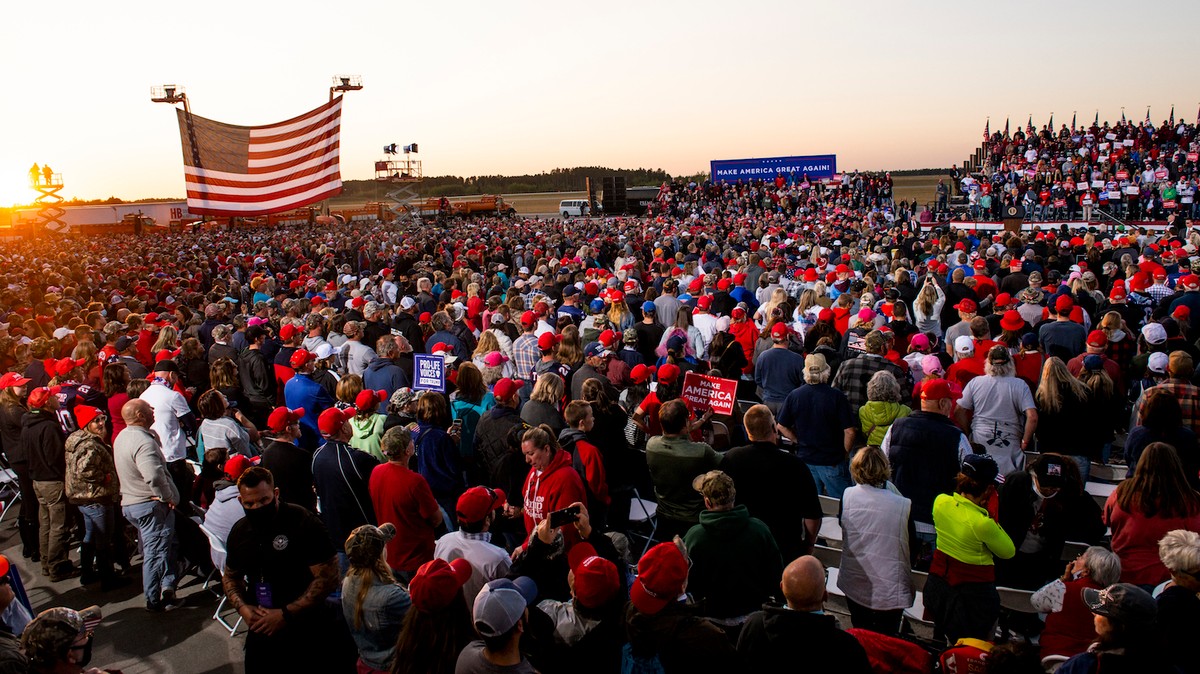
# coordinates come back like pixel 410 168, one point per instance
pixel 14 186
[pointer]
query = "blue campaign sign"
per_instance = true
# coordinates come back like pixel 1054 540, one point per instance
pixel 429 372
pixel 766 168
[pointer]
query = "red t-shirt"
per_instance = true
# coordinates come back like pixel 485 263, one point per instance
pixel 402 497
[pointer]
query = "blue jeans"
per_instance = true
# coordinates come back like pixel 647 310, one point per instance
pixel 99 522
pixel 156 527
pixel 832 480
pixel 1085 466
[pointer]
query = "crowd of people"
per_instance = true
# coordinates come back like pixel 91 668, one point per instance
pixel 1131 170
pixel 550 500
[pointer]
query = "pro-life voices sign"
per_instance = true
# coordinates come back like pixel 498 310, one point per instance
pixel 429 372
pixel 703 392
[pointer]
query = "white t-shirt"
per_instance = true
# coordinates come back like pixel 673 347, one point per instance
pixel 168 406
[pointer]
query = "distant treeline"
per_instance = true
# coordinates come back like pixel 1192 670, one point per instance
pixel 557 180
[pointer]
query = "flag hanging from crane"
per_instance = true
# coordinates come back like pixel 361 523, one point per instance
pixel 1073 121
pixel 257 170
pixel 1050 124
pixel 1006 127
pixel 1171 121
pixel 986 126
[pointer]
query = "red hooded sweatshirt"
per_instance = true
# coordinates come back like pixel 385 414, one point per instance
pixel 554 488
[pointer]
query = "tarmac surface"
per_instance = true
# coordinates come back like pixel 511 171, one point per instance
pixel 184 641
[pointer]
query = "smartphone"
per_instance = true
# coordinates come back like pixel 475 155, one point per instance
pixel 456 427
pixel 568 515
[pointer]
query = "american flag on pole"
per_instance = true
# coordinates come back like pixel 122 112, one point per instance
pixel 256 170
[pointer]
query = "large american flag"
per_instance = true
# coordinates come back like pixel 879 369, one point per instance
pixel 256 170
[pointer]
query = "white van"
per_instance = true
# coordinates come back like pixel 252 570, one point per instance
pixel 573 207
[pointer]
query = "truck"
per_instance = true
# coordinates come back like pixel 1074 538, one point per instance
pixel 114 218
pixel 486 204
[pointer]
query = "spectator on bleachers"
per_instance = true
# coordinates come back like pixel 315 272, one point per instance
pixel 663 627
pixel 1125 617
pixel 1069 629
pixel 1179 600
pixel 674 461
pixel 883 407
pixel 961 593
pixel 1152 501
pixel 1041 508
pixel 925 450
pixel 779 638
pixel 818 418
pixel 734 556
pixel 999 410
pixel 776 486
pixel 876 561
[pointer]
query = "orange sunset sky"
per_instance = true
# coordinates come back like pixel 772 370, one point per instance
pixel 515 87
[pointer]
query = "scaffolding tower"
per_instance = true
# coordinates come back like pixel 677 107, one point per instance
pixel 405 174
pixel 50 210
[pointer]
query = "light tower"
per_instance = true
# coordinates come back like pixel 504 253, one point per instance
pixel 404 173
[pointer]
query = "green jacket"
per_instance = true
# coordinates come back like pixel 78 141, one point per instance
pixel 736 563
pixel 877 417
pixel 368 434
pixel 674 462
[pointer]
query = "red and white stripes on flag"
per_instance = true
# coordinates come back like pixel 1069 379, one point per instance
pixel 256 170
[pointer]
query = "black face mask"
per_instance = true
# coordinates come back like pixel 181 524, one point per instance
pixel 262 516
pixel 86 657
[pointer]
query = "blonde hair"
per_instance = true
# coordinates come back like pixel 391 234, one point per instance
pixel 487 344
pixel 548 389
pixel 1056 382
pixel 348 388
pixel 869 466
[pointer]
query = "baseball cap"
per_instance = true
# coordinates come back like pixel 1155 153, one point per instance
pixel 815 363
pixel 714 485
pixel 501 603
pixel 84 414
pixel 919 341
pixel 1122 601
pixel 1064 303
pixel 779 331
pixel 981 467
pixel 54 630
pixel 641 373
pixel 332 419
pixel 548 341
pixel 125 342
pixel 966 305
pixel 662 572
pixel 365 544
pixel 935 389
pixel 506 387
pixel 1050 471
pixel 528 318
pixel 407 303
pixel 166 365
pixel 668 373
pixel 594 349
pixel 476 502
pixel 964 345
pixel 13 379
pixel 495 358
pixel 288 331
pixel 325 350
pixel 1190 281
pixel 282 417
pixel 302 357
pixel 595 577
pixel 235 466
pixel 437 582
pixel 38 397
pixel 931 364
pixel 367 399
pixel 1158 362
pixel 1097 338
pixel 1003 300
pixel 63 366
pixel 1154 333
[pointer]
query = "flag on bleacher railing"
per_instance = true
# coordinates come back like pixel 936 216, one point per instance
pixel 1051 123
pixel 234 170
pixel 1073 121
pixel 986 132
pixel 1029 126
pixel 1006 127
pixel 1171 121
pixel 1148 115
pixel 1097 122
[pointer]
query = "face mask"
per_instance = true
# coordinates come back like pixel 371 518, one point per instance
pixel 1037 489
pixel 262 516
pixel 86 656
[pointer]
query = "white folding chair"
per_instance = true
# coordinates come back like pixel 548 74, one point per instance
pixel 218 553
pixel 830 506
pixel 643 512
pixel 831 531
pixel 10 490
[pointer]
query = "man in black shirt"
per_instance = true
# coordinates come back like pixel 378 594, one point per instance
pixel 290 464
pixel 649 333
pixel 775 486
pixel 279 570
